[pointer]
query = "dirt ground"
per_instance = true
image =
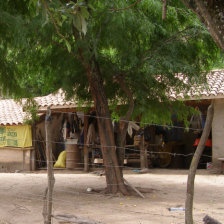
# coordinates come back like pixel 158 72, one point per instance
pixel 21 197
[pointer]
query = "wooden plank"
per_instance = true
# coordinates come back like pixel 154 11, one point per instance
pixel 85 149
pixel 100 161
pixel 17 148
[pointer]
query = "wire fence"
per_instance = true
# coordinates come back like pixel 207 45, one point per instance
pixel 127 121
pixel 152 150
pixel 149 153
pixel 79 165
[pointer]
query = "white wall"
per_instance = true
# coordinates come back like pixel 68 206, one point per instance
pixel 218 133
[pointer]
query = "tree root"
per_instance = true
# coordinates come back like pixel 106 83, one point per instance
pixel 134 189
pixel 130 191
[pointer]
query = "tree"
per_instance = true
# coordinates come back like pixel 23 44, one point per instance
pixel 211 13
pixel 194 165
pixel 110 51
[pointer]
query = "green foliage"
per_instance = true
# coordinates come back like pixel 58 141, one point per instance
pixel 219 64
pixel 43 43
pixel 31 108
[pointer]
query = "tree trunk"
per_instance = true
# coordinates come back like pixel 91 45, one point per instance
pixel 123 123
pixel 194 165
pixel 210 16
pixel 113 172
pixel 211 23
pixel 114 178
pixel 120 143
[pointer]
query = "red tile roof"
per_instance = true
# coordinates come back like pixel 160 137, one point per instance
pixel 11 112
pixel 213 89
pixel 57 99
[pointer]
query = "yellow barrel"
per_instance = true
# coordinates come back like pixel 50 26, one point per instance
pixel 73 155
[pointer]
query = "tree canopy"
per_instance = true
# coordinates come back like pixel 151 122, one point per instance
pixel 41 42
pixel 111 52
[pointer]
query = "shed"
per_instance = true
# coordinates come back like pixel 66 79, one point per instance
pixel 201 96
pixel 16 150
pixel 18 153
pixel 20 142
pixel 204 95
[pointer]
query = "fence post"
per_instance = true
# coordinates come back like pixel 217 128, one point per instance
pixel 86 151
pixel 48 196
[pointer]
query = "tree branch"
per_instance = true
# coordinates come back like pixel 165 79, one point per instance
pixel 188 5
pixel 174 37
pixel 217 37
pixel 130 6
pixel 129 95
pixel 123 125
pixel 200 9
pixel 164 9
pixel 53 20
pixel 63 47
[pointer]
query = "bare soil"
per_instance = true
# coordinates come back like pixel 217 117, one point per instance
pixel 21 197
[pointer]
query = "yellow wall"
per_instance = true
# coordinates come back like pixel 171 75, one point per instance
pixel 15 136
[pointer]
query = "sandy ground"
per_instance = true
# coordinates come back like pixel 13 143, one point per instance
pixel 21 197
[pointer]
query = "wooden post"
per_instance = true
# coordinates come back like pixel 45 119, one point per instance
pixel 145 151
pixel 146 157
pixel 48 196
pixel 194 165
pixel 24 158
pixel 143 154
pixel 86 151
pixel 33 152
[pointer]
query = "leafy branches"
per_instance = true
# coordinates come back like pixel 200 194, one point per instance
pixel 128 7
pixel 69 14
pixel 135 42
pixel 54 21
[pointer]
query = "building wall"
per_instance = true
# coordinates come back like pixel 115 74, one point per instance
pixel 12 159
pixel 218 133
